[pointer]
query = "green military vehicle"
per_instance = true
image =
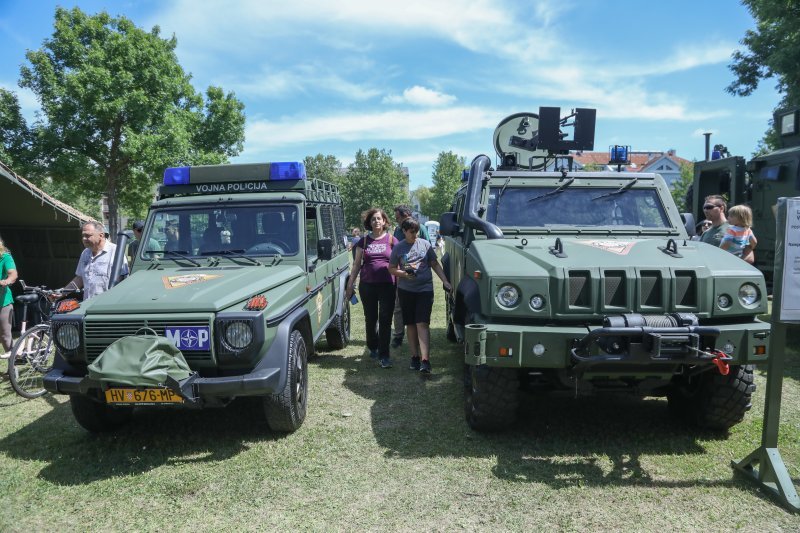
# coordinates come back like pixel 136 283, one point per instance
pixel 243 268
pixel 758 182
pixel 589 282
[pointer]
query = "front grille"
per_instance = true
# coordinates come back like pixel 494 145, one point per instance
pixel 99 334
pixel 650 288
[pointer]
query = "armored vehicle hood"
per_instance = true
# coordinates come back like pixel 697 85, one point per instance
pixel 189 290
pixel 508 258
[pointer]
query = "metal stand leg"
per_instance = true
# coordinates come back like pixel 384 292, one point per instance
pixel 765 467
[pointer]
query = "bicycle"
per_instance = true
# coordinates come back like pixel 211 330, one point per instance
pixel 33 354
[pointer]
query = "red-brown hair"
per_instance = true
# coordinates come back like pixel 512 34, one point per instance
pixel 369 214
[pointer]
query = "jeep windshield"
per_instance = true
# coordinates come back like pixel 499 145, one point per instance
pixel 578 207
pixel 230 231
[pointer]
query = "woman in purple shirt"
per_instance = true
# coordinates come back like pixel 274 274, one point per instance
pixel 376 287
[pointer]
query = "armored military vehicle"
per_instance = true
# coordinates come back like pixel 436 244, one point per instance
pixel 588 282
pixel 243 268
pixel 758 182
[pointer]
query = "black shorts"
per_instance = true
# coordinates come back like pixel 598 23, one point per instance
pixel 416 306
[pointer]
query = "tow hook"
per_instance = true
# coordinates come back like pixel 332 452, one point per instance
pixel 720 360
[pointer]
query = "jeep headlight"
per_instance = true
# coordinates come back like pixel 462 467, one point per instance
pixel 238 334
pixel 507 296
pixel 68 337
pixel 748 294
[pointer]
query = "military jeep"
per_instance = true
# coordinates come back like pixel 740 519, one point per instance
pixel 243 268
pixel 589 282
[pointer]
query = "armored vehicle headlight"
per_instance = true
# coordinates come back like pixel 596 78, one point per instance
pixel 537 302
pixel 68 336
pixel 748 294
pixel 238 334
pixel 723 301
pixel 507 296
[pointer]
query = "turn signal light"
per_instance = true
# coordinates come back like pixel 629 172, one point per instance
pixel 65 306
pixel 759 350
pixel 256 303
pixel 506 352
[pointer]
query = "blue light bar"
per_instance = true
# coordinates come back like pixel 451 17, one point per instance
pixel 176 176
pixel 619 155
pixel 287 171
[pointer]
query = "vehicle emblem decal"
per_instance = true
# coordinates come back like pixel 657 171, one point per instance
pixel 616 247
pixel 174 282
pixel 318 301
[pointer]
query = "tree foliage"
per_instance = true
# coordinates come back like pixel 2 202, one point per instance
pixel 446 177
pixel 117 108
pixel 423 196
pixel 372 180
pixel 681 186
pixel 324 167
pixel 14 133
pixel 772 51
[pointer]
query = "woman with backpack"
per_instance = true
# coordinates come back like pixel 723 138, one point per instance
pixel 377 285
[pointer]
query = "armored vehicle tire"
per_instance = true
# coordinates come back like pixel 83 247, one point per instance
pixel 491 398
pixel 451 328
pixel 338 334
pixel 98 417
pixel 286 410
pixel 714 401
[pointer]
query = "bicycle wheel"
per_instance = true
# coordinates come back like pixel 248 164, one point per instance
pixel 31 358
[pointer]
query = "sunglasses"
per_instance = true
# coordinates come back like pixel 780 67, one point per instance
pixel 708 207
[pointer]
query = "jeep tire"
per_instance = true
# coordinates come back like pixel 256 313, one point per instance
pixel 286 410
pixel 714 401
pixel 450 332
pixel 97 417
pixel 338 334
pixel 491 397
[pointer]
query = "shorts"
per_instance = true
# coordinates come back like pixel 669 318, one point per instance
pixel 415 306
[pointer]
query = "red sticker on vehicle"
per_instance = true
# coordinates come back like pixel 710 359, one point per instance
pixel 615 247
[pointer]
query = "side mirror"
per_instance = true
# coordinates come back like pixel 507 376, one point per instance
pixel 688 223
pixel 324 249
pixel 447 224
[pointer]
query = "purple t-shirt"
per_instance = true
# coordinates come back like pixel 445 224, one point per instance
pixel 375 262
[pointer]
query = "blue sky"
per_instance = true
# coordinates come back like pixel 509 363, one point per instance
pixel 421 76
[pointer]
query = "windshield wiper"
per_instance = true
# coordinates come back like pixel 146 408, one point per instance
pixel 233 253
pixel 621 190
pixel 557 190
pixel 502 191
pixel 183 254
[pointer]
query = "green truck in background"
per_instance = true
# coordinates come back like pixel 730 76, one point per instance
pixel 243 268
pixel 588 282
pixel 758 182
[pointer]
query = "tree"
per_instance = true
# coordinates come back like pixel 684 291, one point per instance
pixel 681 186
pixel 423 196
pixel 14 133
pixel 372 180
pixel 324 167
pixel 773 51
pixel 117 108
pixel 446 177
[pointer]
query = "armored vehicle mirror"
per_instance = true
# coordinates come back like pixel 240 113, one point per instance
pixel 447 224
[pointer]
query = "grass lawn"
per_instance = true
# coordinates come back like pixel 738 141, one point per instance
pixel 389 450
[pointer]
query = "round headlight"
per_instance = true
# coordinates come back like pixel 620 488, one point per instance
pixel 238 335
pixel 507 296
pixel 68 337
pixel 748 294
pixel 537 302
pixel 723 301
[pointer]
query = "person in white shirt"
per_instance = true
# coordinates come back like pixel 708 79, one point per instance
pixel 94 266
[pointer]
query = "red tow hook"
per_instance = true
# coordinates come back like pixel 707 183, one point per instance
pixel 720 360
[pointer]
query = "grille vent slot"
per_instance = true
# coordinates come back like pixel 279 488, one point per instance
pixel 580 288
pixel 686 288
pixel 614 291
pixel 650 286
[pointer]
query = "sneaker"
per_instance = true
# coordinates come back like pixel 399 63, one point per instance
pixel 386 363
pixel 373 353
pixel 414 363
pixel 425 367
pixel 6 355
pixel 397 341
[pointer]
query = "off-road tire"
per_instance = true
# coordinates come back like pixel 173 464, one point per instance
pixel 492 397
pixel 97 417
pixel 714 401
pixel 450 332
pixel 338 334
pixel 286 410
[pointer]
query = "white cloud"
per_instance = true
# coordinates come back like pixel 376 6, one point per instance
pixel 303 79
pixel 392 125
pixel 420 96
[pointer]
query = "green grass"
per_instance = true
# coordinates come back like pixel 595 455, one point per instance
pixel 389 449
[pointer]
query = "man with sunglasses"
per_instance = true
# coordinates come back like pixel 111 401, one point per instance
pixel 714 208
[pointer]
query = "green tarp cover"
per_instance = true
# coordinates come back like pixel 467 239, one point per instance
pixel 140 361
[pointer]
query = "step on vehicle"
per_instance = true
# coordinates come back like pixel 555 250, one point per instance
pixel 243 268
pixel 588 282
